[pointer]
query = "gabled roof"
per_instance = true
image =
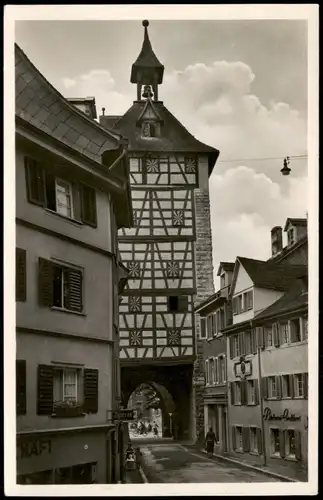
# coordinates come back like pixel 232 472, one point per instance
pixel 292 299
pixel 147 59
pixel 41 105
pixel 295 222
pixel 174 137
pixel 149 112
pixel 266 274
pixel 226 266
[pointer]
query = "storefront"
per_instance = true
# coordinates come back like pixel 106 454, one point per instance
pixel 82 456
pixel 215 414
pixel 286 433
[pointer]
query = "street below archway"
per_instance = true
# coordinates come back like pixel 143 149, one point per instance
pixel 176 463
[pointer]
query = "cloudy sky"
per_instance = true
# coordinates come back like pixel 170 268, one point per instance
pixel 240 86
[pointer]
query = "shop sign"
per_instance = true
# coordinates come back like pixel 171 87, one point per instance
pixel 243 368
pixel 269 415
pixel 34 447
pixel 123 415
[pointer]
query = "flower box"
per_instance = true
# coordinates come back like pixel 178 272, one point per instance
pixel 67 410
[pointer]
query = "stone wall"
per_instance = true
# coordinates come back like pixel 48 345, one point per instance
pixel 205 288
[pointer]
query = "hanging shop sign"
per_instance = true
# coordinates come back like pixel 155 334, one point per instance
pixel 34 447
pixel 286 415
pixel 123 415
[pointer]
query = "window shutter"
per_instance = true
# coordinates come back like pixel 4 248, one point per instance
pixel 292 330
pixel 278 386
pixel 245 439
pixel 242 344
pixel 45 288
pixel 253 341
pixel 50 190
pixel 88 205
pixel 233 437
pixel 203 328
pixel 74 291
pixel 206 371
pixel 183 303
pixel 256 387
pixel 21 272
pixel 250 299
pixel 260 337
pixel 209 323
pixel 298 436
pixel 34 181
pixel 225 368
pixel 229 318
pixel 231 347
pixel 282 443
pixel 232 393
pixel 305 375
pixel 276 334
pixel 244 392
pixel 45 390
pixel 21 402
pixel 291 385
pixel 259 440
pixel 264 387
pixel 91 390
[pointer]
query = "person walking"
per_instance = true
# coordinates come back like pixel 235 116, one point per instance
pixel 209 441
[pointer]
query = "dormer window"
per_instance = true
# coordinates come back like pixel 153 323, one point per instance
pixel 222 280
pixel 149 129
pixel 291 236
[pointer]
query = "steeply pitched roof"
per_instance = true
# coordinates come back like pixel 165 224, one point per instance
pixel 295 222
pixel 271 275
pixel 292 299
pixel 40 104
pixel 147 59
pixel 174 137
pixel 227 266
pixel 287 250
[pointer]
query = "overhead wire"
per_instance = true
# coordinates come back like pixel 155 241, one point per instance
pixel 264 158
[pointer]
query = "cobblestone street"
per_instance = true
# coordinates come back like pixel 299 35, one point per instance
pixel 174 463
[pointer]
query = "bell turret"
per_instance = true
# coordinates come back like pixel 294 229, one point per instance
pixel 147 70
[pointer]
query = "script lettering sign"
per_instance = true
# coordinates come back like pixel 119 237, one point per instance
pixel 286 415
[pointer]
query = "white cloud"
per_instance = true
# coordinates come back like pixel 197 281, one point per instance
pixel 215 102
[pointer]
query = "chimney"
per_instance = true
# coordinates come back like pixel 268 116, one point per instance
pixel 303 279
pixel 276 240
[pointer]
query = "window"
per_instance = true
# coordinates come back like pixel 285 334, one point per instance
pixel 222 319
pixel 236 346
pixel 73 200
pixel 295 330
pixel 240 304
pixel 245 301
pixel 239 439
pixel 272 387
pixel 290 237
pixel 247 339
pixel 251 392
pixel 211 371
pixel 253 439
pixel 299 385
pixel 275 441
pixel 236 393
pixel 250 300
pixel 269 336
pixel 207 375
pixel 222 280
pixel 177 303
pixel 60 286
pixel 203 328
pixel 222 370
pixel 284 329
pixel 290 443
pixel 287 383
pixel 209 320
pixel 66 385
pixel 64 205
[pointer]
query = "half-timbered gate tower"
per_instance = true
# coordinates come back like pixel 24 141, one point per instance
pixel 168 252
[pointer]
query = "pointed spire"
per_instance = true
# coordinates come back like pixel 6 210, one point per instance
pixel 147 69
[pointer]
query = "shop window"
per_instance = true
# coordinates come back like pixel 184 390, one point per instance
pixel 290 450
pixel 287 381
pixel 77 474
pixel 43 477
pixel 272 387
pixel 295 330
pixel 253 440
pixel 284 330
pixel 239 439
pixel 275 442
pixel 299 385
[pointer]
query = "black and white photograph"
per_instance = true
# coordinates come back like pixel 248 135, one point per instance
pixel 161 225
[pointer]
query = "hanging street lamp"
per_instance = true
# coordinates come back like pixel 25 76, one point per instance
pixel 286 170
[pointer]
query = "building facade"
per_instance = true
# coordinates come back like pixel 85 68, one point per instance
pixel 215 314
pixel 168 252
pixel 68 210
pixel 267 364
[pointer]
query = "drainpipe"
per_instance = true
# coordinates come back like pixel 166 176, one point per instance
pixel 124 143
pixel 261 402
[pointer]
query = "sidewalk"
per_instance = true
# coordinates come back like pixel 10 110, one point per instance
pixel 279 472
